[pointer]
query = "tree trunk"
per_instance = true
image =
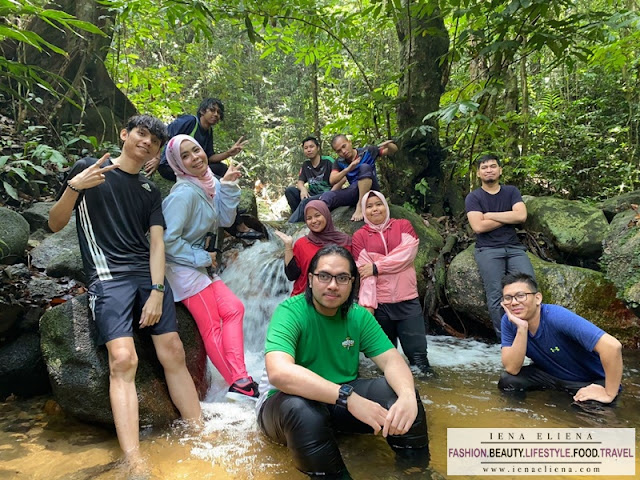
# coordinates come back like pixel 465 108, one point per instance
pixel 104 108
pixel 316 105
pixel 420 155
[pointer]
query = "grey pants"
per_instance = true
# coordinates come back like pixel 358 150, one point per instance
pixel 495 263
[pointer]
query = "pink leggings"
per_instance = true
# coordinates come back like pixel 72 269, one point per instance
pixel 218 314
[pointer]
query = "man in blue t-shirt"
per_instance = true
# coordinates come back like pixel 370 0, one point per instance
pixel 358 166
pixel 568 352
pixel 493 210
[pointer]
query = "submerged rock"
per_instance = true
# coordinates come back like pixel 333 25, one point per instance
pixel 584 291
pixel 575 228
pixel 79 371
pixel 621 257
pixel 14 236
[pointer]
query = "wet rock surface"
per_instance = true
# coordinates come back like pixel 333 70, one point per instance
pixel 79 370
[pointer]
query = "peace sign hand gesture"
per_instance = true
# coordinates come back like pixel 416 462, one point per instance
pixel 233 172
pixel 92 176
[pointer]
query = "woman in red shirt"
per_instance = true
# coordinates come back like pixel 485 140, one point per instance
pixel 322 232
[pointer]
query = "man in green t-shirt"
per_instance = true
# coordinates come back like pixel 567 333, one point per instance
pixel 311 387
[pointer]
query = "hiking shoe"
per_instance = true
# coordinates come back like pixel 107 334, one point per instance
pixel 243 389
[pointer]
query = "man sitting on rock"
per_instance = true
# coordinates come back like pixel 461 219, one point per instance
pixel 493 210
pixel 569 353
pixel 311 388
pixel 316 173
pixel 358 166
pixel 116 207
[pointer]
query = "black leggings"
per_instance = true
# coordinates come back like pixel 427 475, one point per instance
pixel 532 378
pixel 307 428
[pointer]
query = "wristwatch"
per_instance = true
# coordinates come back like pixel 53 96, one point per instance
pixel 343 395
pixel 158 286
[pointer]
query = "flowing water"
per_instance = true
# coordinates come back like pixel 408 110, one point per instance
pixel 39 442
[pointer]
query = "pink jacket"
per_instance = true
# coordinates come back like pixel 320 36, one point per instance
pixel 393 251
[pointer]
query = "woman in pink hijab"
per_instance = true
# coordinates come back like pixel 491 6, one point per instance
pixel 384 250
pixel 199 204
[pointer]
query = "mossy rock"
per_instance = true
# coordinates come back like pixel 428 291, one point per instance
pixel 586 292
pixel 612 206
pixel 575 228
pixel 14 236
pixel 621 257
pixel 79 370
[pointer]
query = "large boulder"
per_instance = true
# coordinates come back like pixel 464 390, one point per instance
pixel 22 371
pixel 581 290
pixel 59 254
pixel 14 236
pixel 575 228
pixel 612 206
pixel 37 215
pixel 621 257
pixel 79 371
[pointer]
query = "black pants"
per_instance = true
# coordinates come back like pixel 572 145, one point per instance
pixel 409 328
pixel 307 428
pixel 532 378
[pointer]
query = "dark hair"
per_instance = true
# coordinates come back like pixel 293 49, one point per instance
pixel 155 126
pixel 311 138
pixel 336 137
pixel 486 158
pixel 208 103
pixel 520 277
pixel 334 249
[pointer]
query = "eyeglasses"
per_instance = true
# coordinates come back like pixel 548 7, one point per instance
pixel 341 278
pixel 520 296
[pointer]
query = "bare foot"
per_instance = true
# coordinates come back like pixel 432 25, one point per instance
pixel 136 466
pixel 357 216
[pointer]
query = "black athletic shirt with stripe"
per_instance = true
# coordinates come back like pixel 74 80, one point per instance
pixel 113 220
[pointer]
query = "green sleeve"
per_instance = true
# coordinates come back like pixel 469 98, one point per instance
pixel 373 340
pixel 284 330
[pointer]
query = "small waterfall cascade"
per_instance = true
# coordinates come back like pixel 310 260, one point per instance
pixel 256 276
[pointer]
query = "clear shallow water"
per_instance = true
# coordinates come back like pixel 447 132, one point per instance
pixel 36 442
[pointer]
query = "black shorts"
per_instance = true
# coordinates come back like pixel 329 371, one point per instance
pixel 115 305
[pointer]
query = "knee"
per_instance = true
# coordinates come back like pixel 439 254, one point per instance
pixel 171 352
pixel 302 413
pixel 365 172
pixel 511 383
pixel 123 361
pixel 292 191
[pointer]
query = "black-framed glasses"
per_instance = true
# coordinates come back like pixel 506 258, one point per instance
pixel 520 296
pixel 341 278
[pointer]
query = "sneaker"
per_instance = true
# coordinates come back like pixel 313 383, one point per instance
pixel 243 389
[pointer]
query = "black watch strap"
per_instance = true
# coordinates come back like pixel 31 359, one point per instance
pixel 158 286
pixel 343 395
